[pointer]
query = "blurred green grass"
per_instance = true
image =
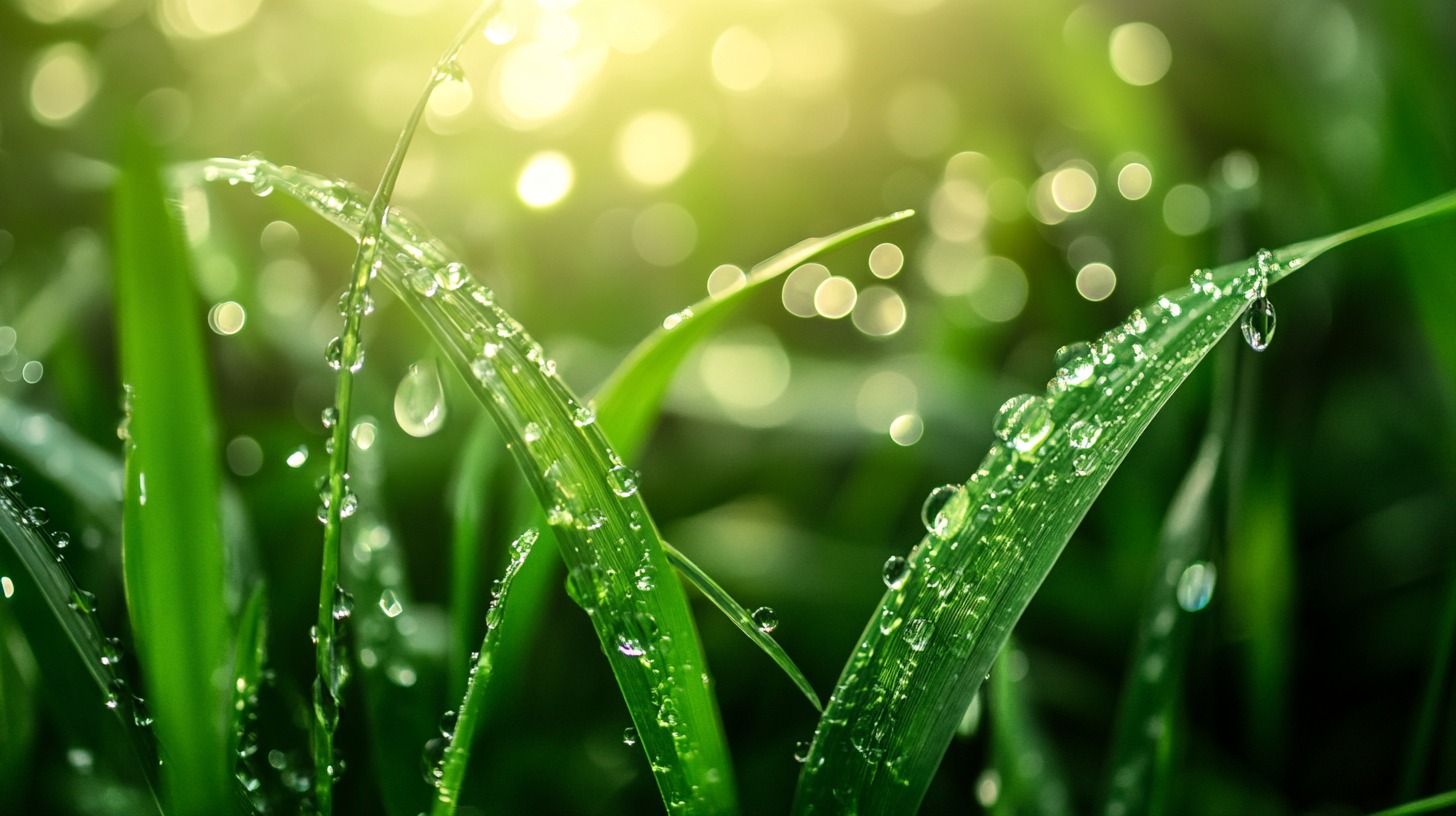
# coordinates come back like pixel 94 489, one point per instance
pixel 1335 112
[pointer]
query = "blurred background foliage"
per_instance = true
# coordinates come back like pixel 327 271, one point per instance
pixel 603 164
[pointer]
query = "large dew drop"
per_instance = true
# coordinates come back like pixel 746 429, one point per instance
pixel 1258 323
pixel 944 510
pixel 419 402
pixel 1024 423
pixel 1195 586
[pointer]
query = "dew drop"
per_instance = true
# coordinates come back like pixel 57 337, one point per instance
pixel 1075 366
pixel 1084 433
pixel 298 457
pixel 897 569
pixel 1136 324
pixel 801 751
pixel 1084 464
pixel 765 619
pixel 140 713
pixel 1195 586
pixel 583 416
pixel 630 646
pixel 9 476
pixel 431 761
pixel 419 401
pixel 343 604
pixel 676 319
pixel 453 276
pixel 918 632
pixel 447 724
pixel 1258 324
pixel 330 418
pixel 1023 423
pixel 262 185
pixel 531 433
pixel 34 517
pixel 622 480
pixel 629 736
pixel 450 72
pixel 334 353
pixel 944 510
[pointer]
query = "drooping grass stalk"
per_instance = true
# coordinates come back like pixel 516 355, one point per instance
pixel 1140 771
pixel 41 553
pixel 992 541
pixel 450 773
pixel 172 544
pixel 348 357
pixel 1430 804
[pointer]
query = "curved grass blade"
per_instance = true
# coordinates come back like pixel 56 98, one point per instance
pixel 347 358
pixel 604 532
pixel 1030 780
pixel 992 541
pixel 450 774
pixel 743 620
pixel 171 537
pixel 92 476
pixel 628 402
pixel 252 650
pixel 1430 804
pixel 1140 763
pixel 73 609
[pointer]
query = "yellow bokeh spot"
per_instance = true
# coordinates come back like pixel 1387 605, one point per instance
pixel 63 82
pixel 533 84
pixel 741 59
pixel 1096 280
pixel 545 180
pixel 1073 189
pixel 1134 180
pixel 1140 53
pixel 655 148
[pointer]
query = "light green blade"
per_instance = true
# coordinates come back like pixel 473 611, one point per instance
pixel 1029 779
pixel 471 502
pixel 628 402
pixel 172 540
pixel 939 627
pixel 603 529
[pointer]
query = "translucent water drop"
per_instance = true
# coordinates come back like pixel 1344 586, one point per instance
pixel 622 480
pixel 453 276
pixel 325 705
pixel 629 736
pixel 450 72
pixel 82 601
pixel 348 503
pixel 531 433
pixel 343 604
pixel 918 632
pixel 447 724
pixel 897 569
pixel 583 416
pixel 801 750
pixel 1075 366
pixel 501 29
pixel 1258 324
pixel 1084 464
pixel 944 510
pixel 329 417
pixel 765 619
pixel 110 651
pixel 1195 585
pixel 334 353
pixel 1084 433
pixel 1023 423
pixel 431 762
pixel 297 457
pixel 63 540
pixel 34 517
pixel 676 319
pixel 630 646
pixel 1136 324
pixel 140 713
pixel 366 304
pixel 9 476
pixel 389 603
pixel 646 577
pixel 419 401
pixel 262 185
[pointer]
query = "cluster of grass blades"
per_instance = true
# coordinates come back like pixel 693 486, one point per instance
pixel 946 615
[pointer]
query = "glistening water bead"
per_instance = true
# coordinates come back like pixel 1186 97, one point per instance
pixel 897 569
pixel 944 510
pixel 1258 323
pixel 765 619
pixel 1195 586
pixel 1023 423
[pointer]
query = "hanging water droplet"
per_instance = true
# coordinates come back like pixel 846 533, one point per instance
pixel 801 750
pixel 330 418
pixel 583 416
pixel 366 303
pixel 110 651
pixel 9 476
pixel 630 646
pixel 450 72
pixel 447 724
pixel 262 184
pixel 629 736
pixel 453 276
pixel 63 540
pixel 918 632
pixel 419 401
pixel 431 762
pixel 646 577
pixel 1075 367
pixel 34 517
pixel 1084 433
pixel 334 353
pixel 389 603
pixel 325 705
pixel 1084 464
pixel 348 504
pixel 765 619
pixel 1195 585
pixel 531 432
pixel 622 480
pixel 676 319
pixel 1135 324
pixel 944 510
pixel 1258 324
pixel 343 604
pixel 297 457
pixel 140 713
pixel 897 569
pixel 1023 423
pixel 82 601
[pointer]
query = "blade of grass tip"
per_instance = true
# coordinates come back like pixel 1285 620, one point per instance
pixel 39 552
pixel 992 541
pixel 603 529
pixel 1028 779
pixel 346 355
pixel 1182 583
pixel 458 732
pixel 1437 689
pixel 470 500
pixel 400 699
pixel 252 649
pixel 171 536
pixel 629 401
pixel 757 629
pixel 1430 804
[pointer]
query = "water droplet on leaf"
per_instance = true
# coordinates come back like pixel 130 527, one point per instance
pixel 897 569
pixel 765 619
pixel 419 401
pixel 1258 324
pixel 1195 586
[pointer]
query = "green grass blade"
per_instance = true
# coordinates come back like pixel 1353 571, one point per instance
pixel 90 475
pixel 458 739
pixel 172 539
pixel 252 650
pixel 743 620
pixel 347 358
pixel 1430 804
pixel 1140 774
pixel 470 500
pixel 1030 780
pixel 628 402
pixel 605 535
pixel 38 552
pixel 936 632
